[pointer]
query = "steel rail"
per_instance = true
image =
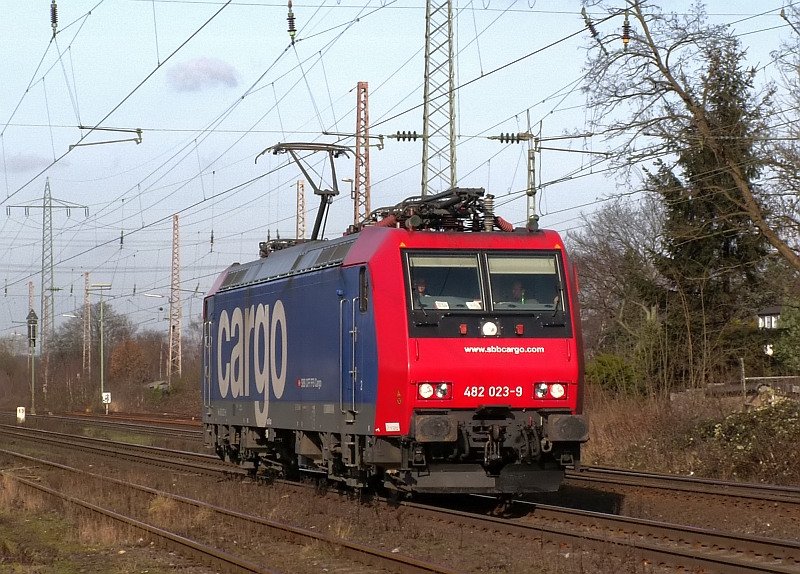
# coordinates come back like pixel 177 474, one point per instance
pixel 363 554
pixel 160 427
pixel 759 493
pixel 183 460
pixel 186 547
pixel 682 546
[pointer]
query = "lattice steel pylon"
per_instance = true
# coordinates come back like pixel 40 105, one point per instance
pixel 47 316
pixel 439 109
pixel 300 228
pixel 48 285
pixel 175 306
pixel 361 183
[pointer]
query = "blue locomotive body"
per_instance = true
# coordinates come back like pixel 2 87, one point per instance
pixel 275 354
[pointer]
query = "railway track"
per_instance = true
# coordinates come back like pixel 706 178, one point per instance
pixel 204 554
pixel 759 494
pixel 348 557
pixel 762 497
pixel 153 456
pixel 163 428
pixel 651 542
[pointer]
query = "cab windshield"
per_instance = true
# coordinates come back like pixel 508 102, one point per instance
pixel 445 282
pixel 530 281
pixel 524 282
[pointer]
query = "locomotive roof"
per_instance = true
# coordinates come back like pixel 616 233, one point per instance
pixel 290 261
pixel 361 246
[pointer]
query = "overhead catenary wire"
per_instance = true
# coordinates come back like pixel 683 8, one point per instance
pixel 118 105
pixel 140 212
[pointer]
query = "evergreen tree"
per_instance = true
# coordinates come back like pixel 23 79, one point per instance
pixel 713 256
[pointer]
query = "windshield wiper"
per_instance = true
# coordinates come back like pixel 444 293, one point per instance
pixel 426 320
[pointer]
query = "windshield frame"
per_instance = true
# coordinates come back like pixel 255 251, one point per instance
pixel 495 270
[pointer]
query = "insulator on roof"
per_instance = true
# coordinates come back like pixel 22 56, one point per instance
pixel 488 212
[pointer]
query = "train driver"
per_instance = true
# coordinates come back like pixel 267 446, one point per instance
pixel 518 294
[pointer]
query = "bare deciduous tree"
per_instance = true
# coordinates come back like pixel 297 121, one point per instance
pixel 652 99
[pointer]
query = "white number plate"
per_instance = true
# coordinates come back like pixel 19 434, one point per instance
pixel 494 391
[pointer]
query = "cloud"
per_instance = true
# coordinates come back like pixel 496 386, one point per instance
pixel 200 73
pixel 22 162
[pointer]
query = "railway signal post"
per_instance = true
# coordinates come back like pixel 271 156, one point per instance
pixel 33 321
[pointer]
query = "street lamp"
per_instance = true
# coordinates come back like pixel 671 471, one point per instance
pixel 32 324
pixel 105 397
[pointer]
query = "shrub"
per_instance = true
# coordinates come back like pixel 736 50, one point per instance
pixel 757 445
pixel 614 374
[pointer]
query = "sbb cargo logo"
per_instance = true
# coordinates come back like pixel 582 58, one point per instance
pixel 250 337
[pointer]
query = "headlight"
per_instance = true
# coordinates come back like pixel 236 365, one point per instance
pixel 549 391
pixel 442 391
pixel 489 329
pixel 435 390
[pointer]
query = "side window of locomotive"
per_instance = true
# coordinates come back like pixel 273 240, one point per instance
pixel 444 282
pixel 363 290
pixel 529 282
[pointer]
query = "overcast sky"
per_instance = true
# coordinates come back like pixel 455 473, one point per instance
pixel 211 86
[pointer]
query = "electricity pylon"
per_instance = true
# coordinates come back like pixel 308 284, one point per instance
pixel 361 183
pixel 439 109
pixel 175 305
pixel 48 285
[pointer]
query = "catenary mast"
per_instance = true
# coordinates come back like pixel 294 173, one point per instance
pixel 175 305
pixel 439 111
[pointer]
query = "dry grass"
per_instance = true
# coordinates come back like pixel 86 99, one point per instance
pixel 203 519
pixel 343 529
pixel 8 491
pixel 648 433
pixel 32 500
pixel 167 513
pixel 671 435
pixel 97 532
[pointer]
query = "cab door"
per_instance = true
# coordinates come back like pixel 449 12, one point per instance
pixel 208 323
pixel 352 329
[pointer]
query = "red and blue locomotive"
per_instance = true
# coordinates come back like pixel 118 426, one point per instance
pixel 434 350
